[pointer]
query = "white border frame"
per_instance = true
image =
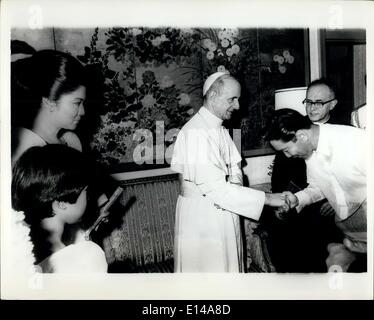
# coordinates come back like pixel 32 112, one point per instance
pixel 83 13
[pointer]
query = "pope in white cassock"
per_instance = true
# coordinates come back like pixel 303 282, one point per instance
pixel 207 229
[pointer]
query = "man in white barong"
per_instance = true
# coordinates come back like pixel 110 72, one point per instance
pixel 207 227
pixel 335 157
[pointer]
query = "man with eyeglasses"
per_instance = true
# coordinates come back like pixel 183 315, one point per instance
pixel 292 241
pixel 320 101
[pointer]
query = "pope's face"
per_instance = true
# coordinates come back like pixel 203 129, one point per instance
pixel 227 100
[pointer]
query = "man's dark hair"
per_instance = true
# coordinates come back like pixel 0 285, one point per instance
pixel 326 82
pixel 285 123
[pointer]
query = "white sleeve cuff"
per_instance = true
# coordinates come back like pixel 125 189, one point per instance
pixel 304 200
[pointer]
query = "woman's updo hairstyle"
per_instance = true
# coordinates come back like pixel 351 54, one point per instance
pixel 48 74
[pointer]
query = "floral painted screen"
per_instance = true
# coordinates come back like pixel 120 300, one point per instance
pixel 147 83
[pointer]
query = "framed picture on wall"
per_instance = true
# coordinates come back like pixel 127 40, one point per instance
pixel 146 83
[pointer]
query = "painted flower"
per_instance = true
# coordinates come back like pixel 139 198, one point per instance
pixel 156 41
pixel 191 111
pixel 286 53
pixel 276 58
pixel 291 59
pixel 235 49
pixel 221 68
pixel 184 99
pixel 227 33
pixel 187 31
pixel 220 34
pixel 166 82
pixel 212 46
pixel 229 52
pixel 235 32
pixel 282 69
pixel 229 38
pixel 210 55
pixel 225 43
pixel 163 38
pixel 207 43
pixel 136 31
pixel 148 101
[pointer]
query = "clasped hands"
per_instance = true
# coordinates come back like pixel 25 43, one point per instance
pixel 283 202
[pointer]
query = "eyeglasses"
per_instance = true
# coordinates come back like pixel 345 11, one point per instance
pixel 318 104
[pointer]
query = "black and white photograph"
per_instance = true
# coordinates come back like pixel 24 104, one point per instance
pixel 186 150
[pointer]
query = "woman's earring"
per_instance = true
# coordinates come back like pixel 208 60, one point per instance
pixel 50 104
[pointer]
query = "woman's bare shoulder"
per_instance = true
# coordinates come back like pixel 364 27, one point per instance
pixel 23 139
pixel 72 140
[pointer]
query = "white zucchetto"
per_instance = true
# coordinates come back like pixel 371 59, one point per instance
pixel 211 79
